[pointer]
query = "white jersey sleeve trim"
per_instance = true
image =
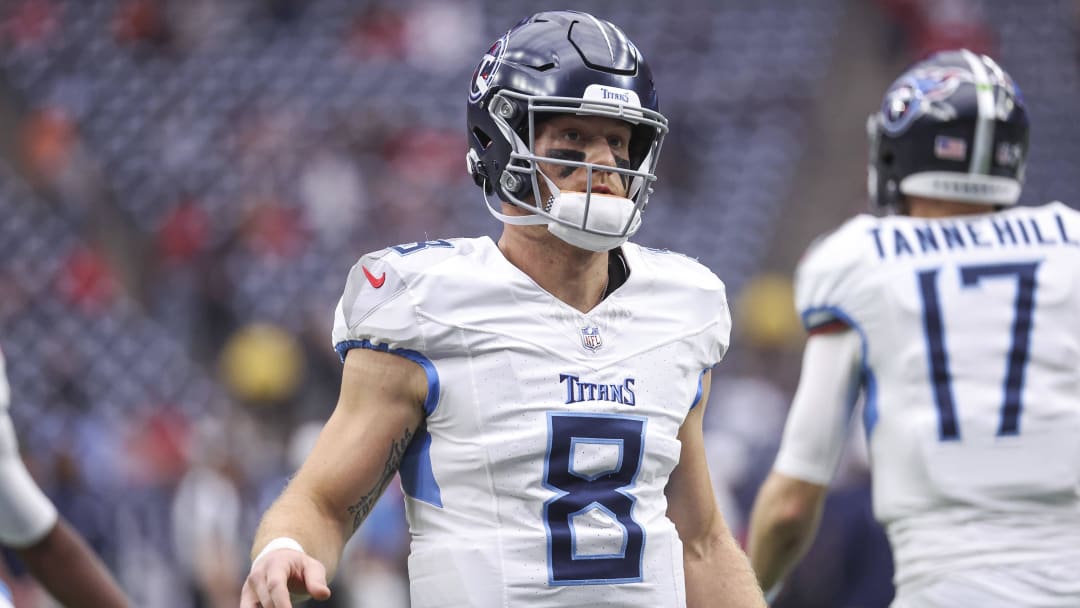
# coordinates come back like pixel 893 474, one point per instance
pixel 817 424
pixel 26 514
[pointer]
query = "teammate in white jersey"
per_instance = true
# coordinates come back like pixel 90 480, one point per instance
pixel 49 547
pixel 956 316
pixel 542 396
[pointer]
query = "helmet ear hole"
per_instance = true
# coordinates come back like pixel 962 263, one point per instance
pixel 887 158
pixel 476 167
pixel 481 138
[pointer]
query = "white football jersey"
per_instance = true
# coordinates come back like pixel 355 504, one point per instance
pixel 971 377
pixel 550 433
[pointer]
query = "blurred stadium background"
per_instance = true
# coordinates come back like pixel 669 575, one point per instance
pixel 185 183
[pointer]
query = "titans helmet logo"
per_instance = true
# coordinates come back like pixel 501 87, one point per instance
pixel 921 92
pixel 488 68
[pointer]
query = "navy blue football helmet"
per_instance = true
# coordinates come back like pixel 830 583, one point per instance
pixel 952 127
pixel 559 62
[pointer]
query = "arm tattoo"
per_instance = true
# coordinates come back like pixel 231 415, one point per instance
pixel 363 507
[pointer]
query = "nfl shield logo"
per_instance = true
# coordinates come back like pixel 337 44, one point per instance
pixel 590 338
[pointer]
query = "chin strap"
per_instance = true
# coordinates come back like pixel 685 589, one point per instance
pixel 517 220
pixel 523 220
pixel 596 222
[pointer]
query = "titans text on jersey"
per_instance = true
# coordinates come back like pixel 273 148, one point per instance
pixel 577 390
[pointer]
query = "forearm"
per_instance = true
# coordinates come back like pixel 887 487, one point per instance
pixel 781 529
pixel 775 550
pixel 355 458
pixel 319 531
pixel 718 574
pixel 788 507
pixel 71 572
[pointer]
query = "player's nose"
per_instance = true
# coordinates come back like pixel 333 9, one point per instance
pixel 599 152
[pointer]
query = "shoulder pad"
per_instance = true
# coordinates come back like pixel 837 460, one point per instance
pixel 689 287
pixel 680 266
pixel 377 306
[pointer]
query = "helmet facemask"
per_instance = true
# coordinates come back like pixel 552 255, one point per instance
pixel 588 220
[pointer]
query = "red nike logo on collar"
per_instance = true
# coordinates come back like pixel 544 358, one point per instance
pixel 375 282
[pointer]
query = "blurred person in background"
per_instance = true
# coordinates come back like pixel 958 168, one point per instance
pixel 50 548
pixel 750 398
pixel 955 315
pixel 849 564
pixel 206 518
pixel 543 395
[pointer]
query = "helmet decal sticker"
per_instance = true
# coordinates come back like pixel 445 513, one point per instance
pixel 921 92
pixel 950 148
pixel 600 92
pixel 1009 154
pixel 488 68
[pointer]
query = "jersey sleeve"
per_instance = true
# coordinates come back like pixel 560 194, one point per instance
pixel 719 334
pixel 716 338
pixel 828 290
pixel 26 514
pixel 817 425
pixel 376 310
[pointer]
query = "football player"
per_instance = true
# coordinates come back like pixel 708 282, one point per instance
pixel 49 547
pixel 541 395
pixel 955 316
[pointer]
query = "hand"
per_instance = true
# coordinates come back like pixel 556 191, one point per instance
pixel 282 576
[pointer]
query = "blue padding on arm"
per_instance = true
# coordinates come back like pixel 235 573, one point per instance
pixel 417 475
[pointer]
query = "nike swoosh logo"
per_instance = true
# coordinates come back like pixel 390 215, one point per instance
pixel 375 282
